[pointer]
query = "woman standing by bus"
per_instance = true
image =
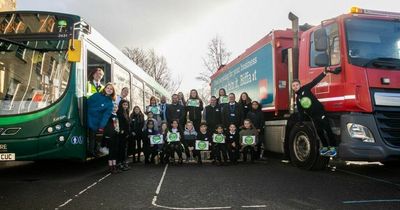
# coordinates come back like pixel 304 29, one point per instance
pixel 100 106
pixel 155 109
pixel 124 133
pixel 181 99
pixel 194 106
pixel 222 97
pixel 137 123
pixel 245 103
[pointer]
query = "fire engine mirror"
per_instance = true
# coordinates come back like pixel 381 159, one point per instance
pixel 320 40
pixel 322 59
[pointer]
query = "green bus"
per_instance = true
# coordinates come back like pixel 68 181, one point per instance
pixel 45 58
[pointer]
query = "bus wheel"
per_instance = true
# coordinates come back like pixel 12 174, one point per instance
pixel 304 149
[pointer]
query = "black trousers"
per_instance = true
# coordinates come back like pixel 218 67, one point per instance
pixel 233 153
pixel 321 124
pixel 113 147
pixel 150 152
pixel 122 143
pixel 92 146
pixel 187 144
pixel 218 149
pixel 246 150
pixel 174 147
pixel 137 146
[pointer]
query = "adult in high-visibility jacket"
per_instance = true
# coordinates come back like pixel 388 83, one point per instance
pixel 94 81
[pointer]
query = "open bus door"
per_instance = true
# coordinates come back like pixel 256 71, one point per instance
pixel 95 59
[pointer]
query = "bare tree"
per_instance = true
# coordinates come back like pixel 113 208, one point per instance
pixel 154 65
pixel 217 56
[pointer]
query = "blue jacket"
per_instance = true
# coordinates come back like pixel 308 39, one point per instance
pixel 100 108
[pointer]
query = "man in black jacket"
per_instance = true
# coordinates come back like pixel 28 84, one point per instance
pixel 175 111
pixel 212 114
pixel 308 104
pixel 232 113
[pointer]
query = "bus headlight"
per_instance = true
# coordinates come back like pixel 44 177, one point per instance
pixel 61 138
pixel 50 129
pixel 68 124
pixel 58 127
pixel 361 132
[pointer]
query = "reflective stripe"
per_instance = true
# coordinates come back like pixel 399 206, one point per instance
pixel 340 98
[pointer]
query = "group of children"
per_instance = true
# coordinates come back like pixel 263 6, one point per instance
pixel 170 141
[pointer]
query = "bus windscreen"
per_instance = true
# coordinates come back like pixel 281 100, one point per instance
pixel 31 23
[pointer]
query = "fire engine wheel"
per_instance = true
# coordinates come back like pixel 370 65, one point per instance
pixel 304 149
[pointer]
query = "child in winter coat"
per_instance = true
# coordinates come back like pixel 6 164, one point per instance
pixel 203 135
pixel 257 118
pixel 173 138
pixel 189 138
pixel 137 124
pixel 246 134
pixel 233 143
pixel 111 132
pixel 162 148
pixel 219 140
pixel 123 118
pixel 150 150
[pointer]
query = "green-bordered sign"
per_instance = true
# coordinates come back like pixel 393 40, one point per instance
pixel 156 139
pixel 193 102
pixel 218 138
pixel 201 145
pixel 223 99
pixel 249 140
pixel 173 137
pixel 154 109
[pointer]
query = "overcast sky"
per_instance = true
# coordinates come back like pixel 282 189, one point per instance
pixel 181 29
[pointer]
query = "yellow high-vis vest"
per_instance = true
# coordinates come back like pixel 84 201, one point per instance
pixel 91 89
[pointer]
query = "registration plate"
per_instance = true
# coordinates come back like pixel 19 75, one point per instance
pixel 7 156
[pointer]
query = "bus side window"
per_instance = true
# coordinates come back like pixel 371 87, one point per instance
pixel 285 56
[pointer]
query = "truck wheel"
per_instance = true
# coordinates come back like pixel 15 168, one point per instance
pixel 304 149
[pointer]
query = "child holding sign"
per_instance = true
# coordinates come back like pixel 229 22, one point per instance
pixel 248 138
pixel 220 145
pixel 154 108
pixel 203 141
pixel 174 143
pixel 150 150
pixel 189 138
pixel 233 142
pixel 194 106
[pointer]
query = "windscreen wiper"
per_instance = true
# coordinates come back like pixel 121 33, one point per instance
pixel 390 63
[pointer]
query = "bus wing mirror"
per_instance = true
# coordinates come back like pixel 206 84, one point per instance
pixel 320 40
pixel 74 50
pixel 322 59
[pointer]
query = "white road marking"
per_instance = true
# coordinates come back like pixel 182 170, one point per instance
pixel 372 201
pixel 161 180
pixel 255 206
pixel 66 202
pixel 84 190
pixel 154 201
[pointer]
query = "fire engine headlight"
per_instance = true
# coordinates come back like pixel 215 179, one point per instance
pixel 361 132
